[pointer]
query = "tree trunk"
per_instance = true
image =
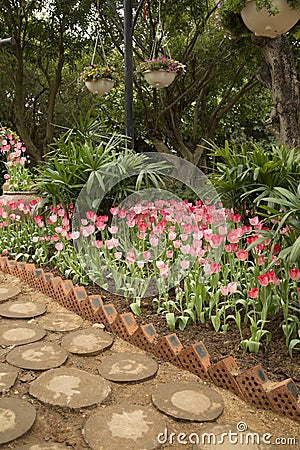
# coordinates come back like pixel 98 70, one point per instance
pixel 19 107
pixel 279 74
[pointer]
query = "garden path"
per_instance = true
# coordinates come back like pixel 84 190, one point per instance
pixel 68 384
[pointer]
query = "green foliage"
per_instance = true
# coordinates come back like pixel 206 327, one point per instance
pixel 85 153
pixel 287 217
pixel 245 176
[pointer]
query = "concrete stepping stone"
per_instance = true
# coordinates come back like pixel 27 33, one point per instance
pixel 9 292
pixel 16 418
pixel 90 341
pixel 43 446
pixel 125 427
pixel 37 356
pixel 19 334
pixel 8 376
pixel 22 309
pixel 64 321
pixel 70 387
pixel 188 401
pixel 229 436
pixel 126 367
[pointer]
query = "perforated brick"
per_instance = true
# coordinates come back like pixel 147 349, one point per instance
pixel 284 398
pixel 52 285
pixel 124 326
pixel 37 273
pixel 62 291
pixel 90 306
pixel 4 263
pixel 107 315
pixel 145 337
pixel 27 274
pixel 17 269
pixel 11 264
pixel 195 358
pixel 253 383
pixel 222 374
pixel 42 282
pixel 74 297
pixel 168 349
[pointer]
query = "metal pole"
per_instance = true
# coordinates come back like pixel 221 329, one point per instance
pixel 128 72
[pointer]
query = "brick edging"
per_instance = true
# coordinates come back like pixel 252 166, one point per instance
pixel 251 385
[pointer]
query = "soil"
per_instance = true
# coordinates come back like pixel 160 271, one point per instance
pixel 274 358
pixel 56 424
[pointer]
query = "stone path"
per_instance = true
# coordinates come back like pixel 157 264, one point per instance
pixel 66 383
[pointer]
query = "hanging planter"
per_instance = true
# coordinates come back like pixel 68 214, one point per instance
pixel 159 78
pixel 263 23
pixel 100 86
pixel 99 80
pixel 160 72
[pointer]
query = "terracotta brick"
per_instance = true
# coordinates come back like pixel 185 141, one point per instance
pixel 222 374
pixel 62 291
pixel 11 264
pixel 27 274
pixel 145 337
pixel 52 285
pixel 107 314
pixel 195 358
pixel 74 297
pixel 253 383
pixel 124 326
pixel 37 273
pixel 4 263
pixel 90 306
pixel 17 270
pixel 168 349
pixel 42 282
pixel 284 398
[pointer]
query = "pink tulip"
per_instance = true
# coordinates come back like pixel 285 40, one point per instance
pixel 253 293
pixel 224 290
pixel 232 287
pixel 185 264
pixel 242 255
pixel 294 274
pixel 59 246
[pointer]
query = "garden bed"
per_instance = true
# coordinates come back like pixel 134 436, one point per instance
pixel 274 358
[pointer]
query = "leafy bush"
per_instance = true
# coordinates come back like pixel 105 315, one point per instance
pixel 83 153
pixel 246 176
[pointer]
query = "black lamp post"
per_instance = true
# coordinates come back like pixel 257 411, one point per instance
pixel 128 72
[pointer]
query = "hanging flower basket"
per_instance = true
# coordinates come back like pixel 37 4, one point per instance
pixel 262 23
pixel 160 72
pixel 99 80
pixel 100 86
pixel 159 78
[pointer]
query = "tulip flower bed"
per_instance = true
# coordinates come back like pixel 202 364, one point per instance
pixel 204 265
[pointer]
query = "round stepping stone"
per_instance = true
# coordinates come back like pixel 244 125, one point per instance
pixel 65 321
pixel 188 401
pixel 19 334
pixel 22 310
pixel 70 387
pixel 229 436
pixel 126 367
pixel 123 427
pixel 90 341
pixel 16 418
pixel 8 376
pixel 37 356
pixel 7 293
pixel 43 446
